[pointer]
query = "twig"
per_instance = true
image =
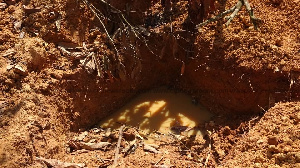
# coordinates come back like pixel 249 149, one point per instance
pixel 234 13
pixel 118 146
pixel 261 108
pixel 254 19
pixel 160 159
pixel 221 15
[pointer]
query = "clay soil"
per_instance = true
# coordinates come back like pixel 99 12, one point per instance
pixel 60 75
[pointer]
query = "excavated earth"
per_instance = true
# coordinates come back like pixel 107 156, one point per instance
pixel 60 75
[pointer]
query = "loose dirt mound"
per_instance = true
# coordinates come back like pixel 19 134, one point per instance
pixel 60 73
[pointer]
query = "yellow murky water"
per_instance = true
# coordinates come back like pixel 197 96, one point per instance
pixel 159 110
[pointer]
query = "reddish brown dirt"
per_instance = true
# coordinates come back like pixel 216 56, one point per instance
pixel 249 78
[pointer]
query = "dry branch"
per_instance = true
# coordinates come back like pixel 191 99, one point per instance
pixel 118 147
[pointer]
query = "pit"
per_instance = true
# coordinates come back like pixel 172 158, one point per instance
pixel 135 84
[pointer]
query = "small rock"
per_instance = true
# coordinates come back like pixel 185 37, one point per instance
pixel 17 25
pixel 272 140
pixel 3 5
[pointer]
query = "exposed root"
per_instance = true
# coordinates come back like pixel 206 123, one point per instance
pixel 234 11
pixel 93 9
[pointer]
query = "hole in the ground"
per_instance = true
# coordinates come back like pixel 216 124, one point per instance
pixel 162 110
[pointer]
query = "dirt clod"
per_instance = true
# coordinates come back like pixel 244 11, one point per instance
pixel 272 140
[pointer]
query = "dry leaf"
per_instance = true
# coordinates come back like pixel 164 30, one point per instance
pixel 74 145
pixel 81 136
pixel 21 69
pixel 94 146
pixel 9 52
pixel 131 147
pixel 150 149
pixel 59 164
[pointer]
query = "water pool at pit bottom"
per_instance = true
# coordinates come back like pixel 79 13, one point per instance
pixel 161 110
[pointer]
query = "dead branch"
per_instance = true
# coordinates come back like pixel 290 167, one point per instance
pixel 118 146
pixel 234 11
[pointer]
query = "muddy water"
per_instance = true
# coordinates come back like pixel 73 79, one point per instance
pixel 162 110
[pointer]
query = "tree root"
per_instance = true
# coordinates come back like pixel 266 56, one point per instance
pixel 234 11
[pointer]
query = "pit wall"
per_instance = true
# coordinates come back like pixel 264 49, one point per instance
pixel 189 64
